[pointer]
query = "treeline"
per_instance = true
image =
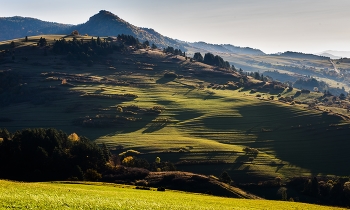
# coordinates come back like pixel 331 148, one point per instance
pixel 311 83
pixel 174 51
pixel 257 76
pixel 90 50
pixel 49 154
pixel 211 59
pixel 83 50
pixel 128 40
pixel 335 192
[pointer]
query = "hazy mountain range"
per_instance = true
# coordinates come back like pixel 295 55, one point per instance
pixel 335 54
pixel 106 23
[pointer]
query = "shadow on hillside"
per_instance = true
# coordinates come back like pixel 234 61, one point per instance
pixel 183 115
pixel 154 127
pixel 315 142
pixel 190 90
pixel 164 80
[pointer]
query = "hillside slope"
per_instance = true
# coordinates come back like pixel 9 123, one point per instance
pixel 197 116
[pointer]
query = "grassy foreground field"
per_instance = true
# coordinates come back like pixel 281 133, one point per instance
pixel 16 195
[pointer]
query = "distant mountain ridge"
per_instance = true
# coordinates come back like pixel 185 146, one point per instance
pixel 336 54
pixel 303 55
pixel 17 27
pixel 329 55
pixel 106 23
pixel 225 48
pixel 103 23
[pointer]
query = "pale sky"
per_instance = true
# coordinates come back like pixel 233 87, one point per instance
pixel 309 26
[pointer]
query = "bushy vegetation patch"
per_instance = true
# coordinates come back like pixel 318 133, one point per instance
pixel 122 174
pixel 170 75
pixel 48 154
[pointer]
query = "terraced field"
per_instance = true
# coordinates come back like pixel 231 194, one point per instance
pixel 196 122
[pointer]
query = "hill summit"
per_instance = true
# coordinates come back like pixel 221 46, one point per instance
pixel 106 23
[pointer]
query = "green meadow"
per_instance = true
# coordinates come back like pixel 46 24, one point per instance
pixel 18 195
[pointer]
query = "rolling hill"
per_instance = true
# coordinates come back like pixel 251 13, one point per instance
pixel 202 118
pixel 104 23
pixel 203 111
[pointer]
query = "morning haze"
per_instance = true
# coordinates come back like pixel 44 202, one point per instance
pixel 273 26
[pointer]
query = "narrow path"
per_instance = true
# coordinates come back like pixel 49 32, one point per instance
pixel 334 66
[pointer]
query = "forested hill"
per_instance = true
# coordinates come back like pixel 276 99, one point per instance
pixel 17 27
pixel 108 24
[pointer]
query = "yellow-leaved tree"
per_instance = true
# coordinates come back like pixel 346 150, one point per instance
pixel 73 137
pixel 128 161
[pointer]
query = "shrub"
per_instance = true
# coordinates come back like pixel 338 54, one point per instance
pixel 224 177
pixel 278 180
pixel 73 178
pixel 163 166
pixel 73 137
pixel 283 193
pixel 251 150
pixel 162 189
pixel 141 182
pixel 128 161
pixel 278 87
pixel 119 109
pixel 170 75
pixel 92 175
pixel 124 173
pixel 157 160
pixel 142 188
pixel 305 91
pixel 75 33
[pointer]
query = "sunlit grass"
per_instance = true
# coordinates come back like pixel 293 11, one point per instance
pixel 108 196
